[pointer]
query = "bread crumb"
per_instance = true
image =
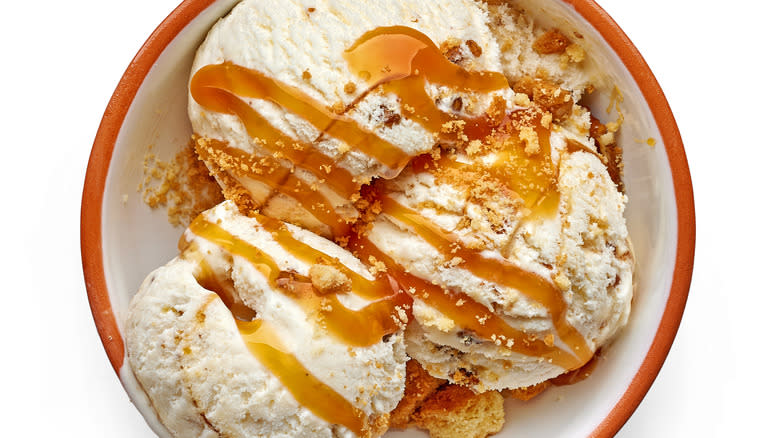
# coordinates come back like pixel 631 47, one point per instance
pixel 455 411
pixel 183 185
pixel 328 279
pixel 552 41
pixel 419 386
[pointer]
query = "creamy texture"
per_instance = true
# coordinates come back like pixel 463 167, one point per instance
pixel 580 250
pixel 202 373
pixel 303 48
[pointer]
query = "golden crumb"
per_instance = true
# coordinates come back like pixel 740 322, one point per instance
pixel 528 393
pixel 419 386
pixel 183 185
pixel 474 148
pixel 562 281
pixel 576 53
pixel 328 279
pixel 455 411
pixel 552 41
pixel 474 48
pixel 529 136
pixel 306 75
pixel 350 88
pixel 452 50
pixel 496 111
pixel 376 266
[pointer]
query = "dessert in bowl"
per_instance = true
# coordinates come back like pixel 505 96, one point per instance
pixel 124 240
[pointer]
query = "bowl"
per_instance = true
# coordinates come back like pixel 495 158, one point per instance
pixel 122 240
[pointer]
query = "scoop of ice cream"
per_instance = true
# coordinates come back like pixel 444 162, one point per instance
pixel 274 80
pixel 516 252
pixel 250 332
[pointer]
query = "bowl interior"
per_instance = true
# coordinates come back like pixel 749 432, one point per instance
pixel 136 239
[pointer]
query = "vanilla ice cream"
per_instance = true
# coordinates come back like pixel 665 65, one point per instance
pixel 280 87
pixel 446 147
pixel 243 334
pixel 508 292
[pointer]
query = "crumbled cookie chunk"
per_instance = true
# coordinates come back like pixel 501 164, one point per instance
pixel 528 393
pixel 552 41
pixel 455 411
pixel 547 95
pixel 419 386
pixel 474 48
pixel 184 185
pixel 328 279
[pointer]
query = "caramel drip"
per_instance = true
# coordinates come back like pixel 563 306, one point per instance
pixel 208 279
pixel 466 312
pixel 363 327
pixel 217 86
pixel 280 178
pixel 369 289
pixel 309 391
pixel 495 270
pixel 402 60
pixel 528 172
pixel 579 374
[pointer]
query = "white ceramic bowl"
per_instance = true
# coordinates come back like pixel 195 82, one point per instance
pixel 123 240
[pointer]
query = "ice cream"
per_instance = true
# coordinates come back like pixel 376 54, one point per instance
pixel 476 201
pixel 250 332
pixel 518 275
pixel 304 90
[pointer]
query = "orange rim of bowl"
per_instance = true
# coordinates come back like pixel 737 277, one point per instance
pixel 113 118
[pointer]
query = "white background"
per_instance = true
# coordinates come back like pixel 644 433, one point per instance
pixel 715 60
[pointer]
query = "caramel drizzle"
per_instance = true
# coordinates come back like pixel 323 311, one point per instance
pixel 495 270
pixel 283 180
pixel 466 312
pixel 374 320
pixel 370 289
pixel 309 391
pixel 402 60
pixel 217 86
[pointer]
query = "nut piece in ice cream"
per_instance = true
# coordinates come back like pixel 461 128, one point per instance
pixel 235 337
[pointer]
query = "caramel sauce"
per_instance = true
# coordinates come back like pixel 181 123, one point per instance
pixel 579 374
pixel 369 289
pixel 224 288
pixel 284 181
pixel 528 172
pixel 363 327
pixel 399 61
pixel 216 87
pixel 319 398
pixel 467 313
pixel 495 270
pixel 402 60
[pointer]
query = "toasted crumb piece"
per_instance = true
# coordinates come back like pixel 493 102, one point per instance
pixel 419 386
pixel 378 425
pixel 528 393
pixel 549 96
pixel 474 48
pixel 611 153
pixel 456 412
pixel 453 51
pixel 183 185
pixel 552 41
pixel 350 87
pixel 328 279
